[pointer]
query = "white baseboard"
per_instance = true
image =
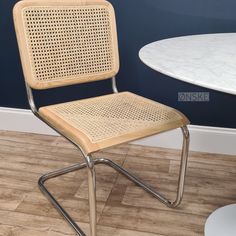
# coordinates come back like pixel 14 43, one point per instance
pixel 22 120
pixel 203 138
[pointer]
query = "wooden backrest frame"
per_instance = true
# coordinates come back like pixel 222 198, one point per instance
pixel 27 58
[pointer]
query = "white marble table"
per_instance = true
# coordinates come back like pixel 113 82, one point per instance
pixel 209 61
pixel 206 60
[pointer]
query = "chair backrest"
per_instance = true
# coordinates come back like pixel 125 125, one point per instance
pixel 64 42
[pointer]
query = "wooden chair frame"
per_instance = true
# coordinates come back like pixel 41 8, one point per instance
pixel 90 164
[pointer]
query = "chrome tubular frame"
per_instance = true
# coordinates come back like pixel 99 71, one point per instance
pixel 90 165
pixel 114 87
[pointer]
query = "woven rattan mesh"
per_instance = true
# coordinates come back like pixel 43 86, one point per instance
pixel 114 115
pixel 69 42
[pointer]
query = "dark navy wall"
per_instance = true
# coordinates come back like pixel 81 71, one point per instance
pixel 139 22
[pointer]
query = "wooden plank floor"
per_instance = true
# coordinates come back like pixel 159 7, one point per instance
pixel 123 208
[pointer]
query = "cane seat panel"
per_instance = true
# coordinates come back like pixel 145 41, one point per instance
pixel 104 121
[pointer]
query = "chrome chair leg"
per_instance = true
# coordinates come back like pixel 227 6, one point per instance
pixel 90 164
pixel 183 168
pixel 54 202
pixel 92 196
pixel 149 189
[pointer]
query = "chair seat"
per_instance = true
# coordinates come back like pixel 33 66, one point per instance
pixel 104 121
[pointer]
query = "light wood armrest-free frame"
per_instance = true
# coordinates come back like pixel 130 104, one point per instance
pixel 66 42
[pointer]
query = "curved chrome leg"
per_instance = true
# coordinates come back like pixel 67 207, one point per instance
pixel 55 203
pixel 183 167
pixel 90 164
pixel 149 189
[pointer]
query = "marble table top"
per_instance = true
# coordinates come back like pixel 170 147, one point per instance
pixel 207 60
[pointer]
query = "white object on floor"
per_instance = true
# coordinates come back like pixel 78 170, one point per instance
pixel 222 222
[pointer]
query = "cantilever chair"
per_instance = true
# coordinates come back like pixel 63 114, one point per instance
pixel 66 42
